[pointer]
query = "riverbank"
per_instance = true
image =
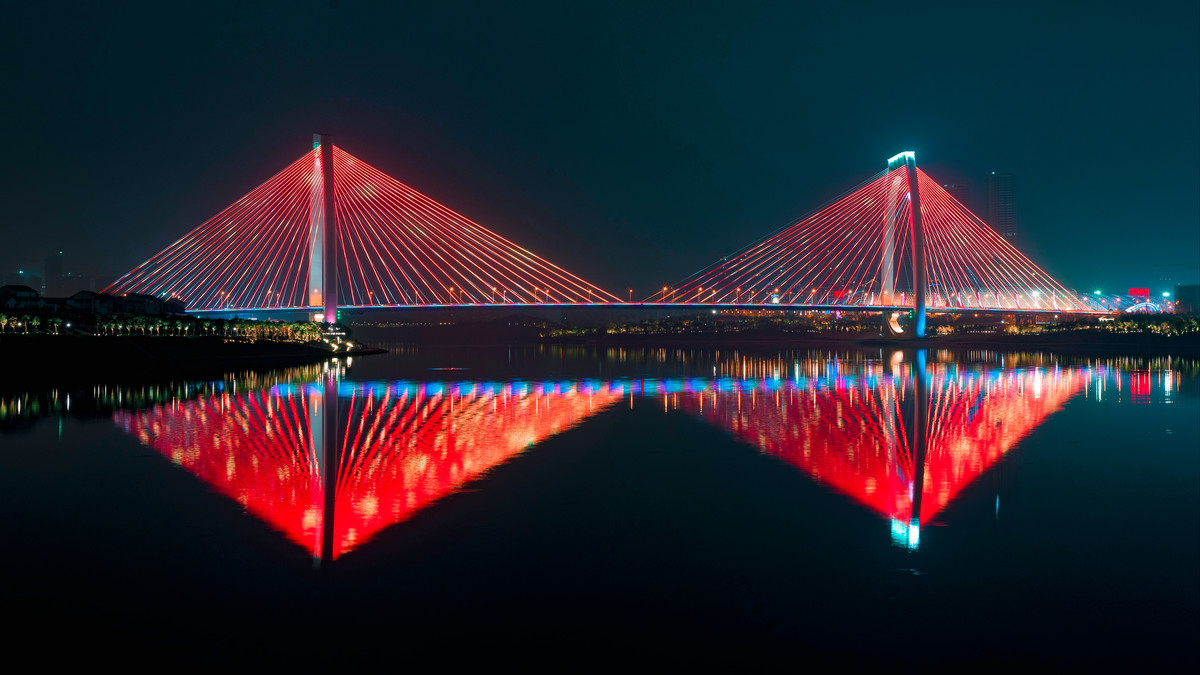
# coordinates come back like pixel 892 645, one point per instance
pixel 60 360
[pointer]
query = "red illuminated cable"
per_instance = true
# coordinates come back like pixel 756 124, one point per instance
pixel 814 240
pixel 753 258
pixel 480 265
pixel 1019 267
pixel 471 232
pixel 191 247
pixel 255 253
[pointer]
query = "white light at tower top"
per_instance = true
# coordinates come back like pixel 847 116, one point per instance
pixel 906 154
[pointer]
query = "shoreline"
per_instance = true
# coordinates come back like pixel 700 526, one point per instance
pixel 48 361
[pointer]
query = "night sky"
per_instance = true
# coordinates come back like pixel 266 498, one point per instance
pixel 632 143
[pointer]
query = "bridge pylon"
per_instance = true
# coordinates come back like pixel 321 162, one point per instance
pixel 323 233
pixel 908 162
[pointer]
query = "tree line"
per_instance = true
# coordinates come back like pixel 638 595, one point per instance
pixel 180 326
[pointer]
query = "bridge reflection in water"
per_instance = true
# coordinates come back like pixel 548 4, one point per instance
pixel 904 443
pixel 396 447
pixel 902 438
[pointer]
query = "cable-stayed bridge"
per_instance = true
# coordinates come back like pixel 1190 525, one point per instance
pixel 331 231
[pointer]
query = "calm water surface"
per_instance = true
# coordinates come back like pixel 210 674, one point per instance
pixel 455 504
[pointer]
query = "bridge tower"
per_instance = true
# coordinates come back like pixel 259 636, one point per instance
pixel 908 161
pixel 323 231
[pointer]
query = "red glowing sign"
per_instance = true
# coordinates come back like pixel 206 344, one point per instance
pixel 1140 292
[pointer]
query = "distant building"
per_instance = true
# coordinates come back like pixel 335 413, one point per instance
pixel 961 194
pixel 15 297
pixel 1187 299
pixel 52 281
pixel 1002 205
pixel 136 303
pixel 89 302
pixel 21 298
pixel 72 282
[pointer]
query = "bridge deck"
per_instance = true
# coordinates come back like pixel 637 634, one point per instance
pixel 661 306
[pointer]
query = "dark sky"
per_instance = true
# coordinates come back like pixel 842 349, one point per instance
pixel 632 143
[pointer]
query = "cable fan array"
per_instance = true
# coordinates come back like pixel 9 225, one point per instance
pixel 399 248
pixel 396 247
pixel 252 254
pixel 857 252
pixel 402 248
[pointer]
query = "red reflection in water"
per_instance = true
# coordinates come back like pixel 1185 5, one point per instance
pixel 400 449
pixel 1139 386
pixel 857 435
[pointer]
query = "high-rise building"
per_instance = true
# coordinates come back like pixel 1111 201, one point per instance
pixel 1002 206
pixel 53 277
pixel 1187 298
